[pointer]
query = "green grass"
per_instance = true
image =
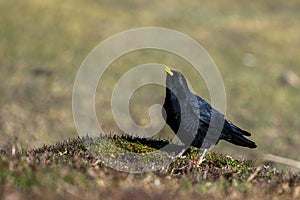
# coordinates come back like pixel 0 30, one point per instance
pixel 68 170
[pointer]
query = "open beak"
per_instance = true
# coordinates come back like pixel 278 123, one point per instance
pixel 168 70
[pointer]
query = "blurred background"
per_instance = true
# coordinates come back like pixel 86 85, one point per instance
pixel 255 44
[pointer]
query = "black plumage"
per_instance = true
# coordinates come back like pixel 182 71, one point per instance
pixel 190 117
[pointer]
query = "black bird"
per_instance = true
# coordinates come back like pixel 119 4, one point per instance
pixel 194 120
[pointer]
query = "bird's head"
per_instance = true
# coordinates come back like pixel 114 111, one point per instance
pixel 176 81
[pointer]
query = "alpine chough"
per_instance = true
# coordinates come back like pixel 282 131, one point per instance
pixel 195 121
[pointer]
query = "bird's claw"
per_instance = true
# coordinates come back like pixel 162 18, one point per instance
pixel 198 162
pixel 201 159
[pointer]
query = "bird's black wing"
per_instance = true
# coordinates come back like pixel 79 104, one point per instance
pixel 210 123
pixel 204 111
pixel 220 127
pixel 190 116
pixel 230 127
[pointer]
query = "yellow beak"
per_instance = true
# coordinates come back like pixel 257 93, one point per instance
pixel 168 70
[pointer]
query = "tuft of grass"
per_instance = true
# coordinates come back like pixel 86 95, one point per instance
pixel 72 167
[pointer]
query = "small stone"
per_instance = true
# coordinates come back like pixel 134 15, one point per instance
pixel 249 59
pixel 291 79
pixel 157 182
pixel 296 193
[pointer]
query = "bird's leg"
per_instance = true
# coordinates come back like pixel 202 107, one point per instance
pixel 180 153
pixel 201 159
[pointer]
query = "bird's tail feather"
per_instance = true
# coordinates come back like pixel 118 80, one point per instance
pixel 236 136
pixel 238 130
pixel 240 140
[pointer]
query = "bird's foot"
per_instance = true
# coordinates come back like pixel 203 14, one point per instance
pixel 180 154
pixel 201 159
pixel 197 163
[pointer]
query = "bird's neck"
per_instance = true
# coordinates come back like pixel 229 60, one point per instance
pixel 181 95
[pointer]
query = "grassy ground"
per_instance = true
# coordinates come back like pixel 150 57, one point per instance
pixel 255 45
pixel 67 170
